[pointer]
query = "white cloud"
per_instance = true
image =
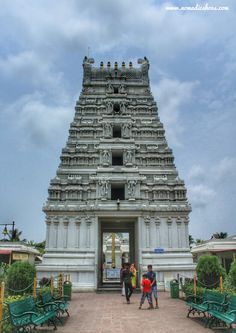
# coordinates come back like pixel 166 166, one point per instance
pixel 200 195
pixel 211 193
pixel 40 123
pixel 225 169
pixel 171 95
pixel 196 173
pixel 32 71
pixel 105 25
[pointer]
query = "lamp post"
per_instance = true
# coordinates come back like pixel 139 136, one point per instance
pixel 5 231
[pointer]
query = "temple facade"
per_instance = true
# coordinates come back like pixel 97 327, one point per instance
pixel 116 175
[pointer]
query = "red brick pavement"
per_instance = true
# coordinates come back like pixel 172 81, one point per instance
pixel 109 313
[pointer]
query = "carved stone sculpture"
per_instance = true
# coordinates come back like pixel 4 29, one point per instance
pixel 105 157
pixel 132 187
pixel 109 107
pixel 126 130
pixel 109 88
pixel 123 107
pixel 129 157
pixel 107 130
pixel 122 89
pixel 103 184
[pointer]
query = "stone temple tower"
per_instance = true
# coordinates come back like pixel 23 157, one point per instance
pixel 116 175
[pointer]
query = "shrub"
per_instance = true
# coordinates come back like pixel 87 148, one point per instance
pixel 188 289
pixel 3 271
pixel 20 278
pixel 232 274
pixel 6 325
pixel 230 283
pixel 209 271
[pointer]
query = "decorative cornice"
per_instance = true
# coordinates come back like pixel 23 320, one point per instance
pixel 113 73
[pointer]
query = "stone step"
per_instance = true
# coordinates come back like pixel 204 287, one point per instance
pixel 108 290
pixel 112 289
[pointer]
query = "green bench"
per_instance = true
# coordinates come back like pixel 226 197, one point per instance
pixel 25 314
pixel 202 304
pixel 225 314
pixel 61 305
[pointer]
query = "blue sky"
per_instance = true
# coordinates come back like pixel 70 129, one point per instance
pixel 193 69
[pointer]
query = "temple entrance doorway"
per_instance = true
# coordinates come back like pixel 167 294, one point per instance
pixel 117 244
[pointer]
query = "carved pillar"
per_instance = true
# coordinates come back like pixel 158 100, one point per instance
pixel 88 232
pixel 48 227
pixel 147 224
pixel 65 232
pixel 77 235
pixel 158 235
pixel 89 193
pixel 186 222
pixel 179 224
pixel 154 195
pixel 169 225
pixel 55 232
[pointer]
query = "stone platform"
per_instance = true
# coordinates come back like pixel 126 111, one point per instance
pixel 109 313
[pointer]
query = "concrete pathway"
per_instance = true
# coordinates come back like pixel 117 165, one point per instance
pixel 109 313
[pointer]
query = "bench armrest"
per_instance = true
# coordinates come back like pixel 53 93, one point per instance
pixel 213 302
pixel 213 305
pixel 58 301
pixel 48 306
pixel 23 314
pixel 232 311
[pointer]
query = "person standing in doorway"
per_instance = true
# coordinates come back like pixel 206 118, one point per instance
pixel 126 278
pixel 121 281
pixel 152 277
pixel 134 276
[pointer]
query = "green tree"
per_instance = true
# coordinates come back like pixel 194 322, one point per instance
pixel 199 241
pixel 191 240
pixel 232 275
pixel 3 271
pixel 220 235
pixel 20 277
pixel 39 246
pixel 31 243
pixel 209 271
pixel 14 235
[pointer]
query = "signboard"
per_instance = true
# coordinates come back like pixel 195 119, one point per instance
pixel 159 250
pixel 20 256
pixel 113 273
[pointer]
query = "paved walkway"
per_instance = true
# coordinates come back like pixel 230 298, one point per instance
pixel 109 313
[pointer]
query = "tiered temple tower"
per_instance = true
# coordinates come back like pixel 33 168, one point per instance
pixel 117 174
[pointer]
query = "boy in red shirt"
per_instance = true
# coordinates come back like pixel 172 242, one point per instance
pixel 146 291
